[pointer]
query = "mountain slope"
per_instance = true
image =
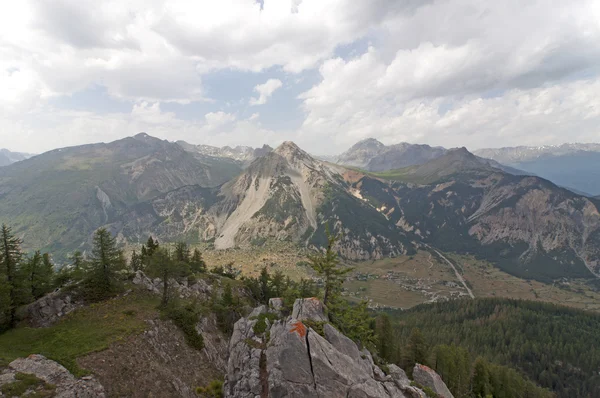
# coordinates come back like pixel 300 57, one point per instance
pixel 526 225
pixel 7 157
pixel 55 200
pixel 284 195
pixel 575 166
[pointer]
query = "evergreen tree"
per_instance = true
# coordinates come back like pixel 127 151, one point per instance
pixel 105 263
pixel 12 284
pixel 197 264
pixel 386 346
pixel 151 246
pixel 415 351
pixel 327 266
pixel 164 266
pixel 136 261
pixel 182 252
pixel 39 273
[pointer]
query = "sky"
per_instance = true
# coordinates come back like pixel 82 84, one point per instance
pixel 323 73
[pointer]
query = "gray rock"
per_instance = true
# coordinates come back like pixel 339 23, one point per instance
pixel 427 377
pixel 298 362
pixel 309 308
pixel 67 386
pixel 48 309
pixel 276 305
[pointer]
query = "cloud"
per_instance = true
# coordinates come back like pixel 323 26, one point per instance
pixel 265 91
pixel 445 72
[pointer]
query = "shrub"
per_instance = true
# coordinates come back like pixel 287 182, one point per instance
pixel 186 317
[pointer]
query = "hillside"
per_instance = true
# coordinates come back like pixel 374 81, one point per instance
pixel 576 166
pixel 57 199
pixel 285 195
pixel 526 225
pixel 549 343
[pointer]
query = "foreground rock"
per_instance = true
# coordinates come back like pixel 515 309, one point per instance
pixel 427 377
pixel 50 372
pixel 288 358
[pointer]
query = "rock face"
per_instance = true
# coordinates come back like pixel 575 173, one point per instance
pixel 50 308
pixel 67 386
pixel 288 358
pixel 426 377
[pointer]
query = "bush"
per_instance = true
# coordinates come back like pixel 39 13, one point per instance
pixel 261 324
pixel 213 390
pixel 186 317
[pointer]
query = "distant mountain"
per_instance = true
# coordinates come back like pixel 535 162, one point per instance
pixel 524 224
pixel 456 202
pixel 57 199
pixel 372 155
pixel 7 157
pixel 242 154
pixel 575 166
pixel 284 195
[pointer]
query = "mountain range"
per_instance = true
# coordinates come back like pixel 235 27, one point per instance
pixel 576 166
pixel 457 202
pixel 7 157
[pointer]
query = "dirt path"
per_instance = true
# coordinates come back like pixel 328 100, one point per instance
pixel 458 276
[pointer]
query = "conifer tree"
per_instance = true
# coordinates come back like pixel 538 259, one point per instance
pixel 136 261
pixel 327 266
pixel 10 263
pixel 39 273
pixel 197 264
pixel 105 263
pixel 163 265
pixel 182 252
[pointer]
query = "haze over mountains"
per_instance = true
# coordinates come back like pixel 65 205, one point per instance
pixel 456 201
pixel 7 157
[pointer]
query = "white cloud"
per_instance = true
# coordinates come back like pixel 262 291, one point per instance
pixel 445 72
pixel 265 91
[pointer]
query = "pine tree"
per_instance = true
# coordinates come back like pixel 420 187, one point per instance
pixel 10 262
pixel 136 261
pixel 326 265
pixel 164 266
pixel 39 273
pixel 197 264
pixel 151 246
pixel 384 338
pixel 415 351
pixel 105 263
pixel 182 252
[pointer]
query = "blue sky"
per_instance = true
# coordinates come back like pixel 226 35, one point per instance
pixel 323 73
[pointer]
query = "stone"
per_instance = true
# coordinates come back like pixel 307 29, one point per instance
pixel 309 308
pixel 48 309
pixel 276 305
pixel 427 377
pixel 298 362
pixel 67 386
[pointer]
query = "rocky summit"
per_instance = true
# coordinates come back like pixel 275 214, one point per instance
pixel 303 355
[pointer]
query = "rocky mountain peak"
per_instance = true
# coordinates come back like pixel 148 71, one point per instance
pixel 368 143
pixel 290 151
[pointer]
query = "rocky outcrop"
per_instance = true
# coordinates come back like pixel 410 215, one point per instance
pixel 50 308
pixel 51 373
pixel 184 289
pixel 426 377
pixel 288 358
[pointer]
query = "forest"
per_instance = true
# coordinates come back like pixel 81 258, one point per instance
pixel 552 345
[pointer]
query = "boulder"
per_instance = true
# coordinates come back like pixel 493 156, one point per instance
pixel 48 309
pixel 427 377
pixel 292 360
pixel 67 386
pixel 309 308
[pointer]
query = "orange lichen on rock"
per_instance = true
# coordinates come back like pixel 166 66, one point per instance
pixel 299 328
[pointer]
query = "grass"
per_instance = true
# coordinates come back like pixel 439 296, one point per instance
pixel 420 277
pixel 86 330
pixel 24 382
